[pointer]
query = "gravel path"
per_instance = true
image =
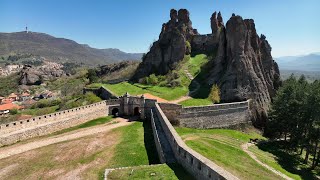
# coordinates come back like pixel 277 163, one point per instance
pixel 17 149
pixel 245 149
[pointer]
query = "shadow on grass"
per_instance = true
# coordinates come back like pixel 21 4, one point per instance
pixel 152 153
pixel 180 172
pixel 149 143
pixel 290 162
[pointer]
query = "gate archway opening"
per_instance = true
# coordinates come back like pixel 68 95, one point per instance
pixel 136 111
pixel 115 112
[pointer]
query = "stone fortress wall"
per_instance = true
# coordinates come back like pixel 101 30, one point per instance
pixel 41 125
pixel 206 117
pixel 196 164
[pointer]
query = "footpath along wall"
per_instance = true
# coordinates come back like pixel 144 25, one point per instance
pixel 196 164
pixel 41 125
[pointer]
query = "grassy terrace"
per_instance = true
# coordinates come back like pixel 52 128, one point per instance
pixel 163 171
pixel 136 89
pixel 195 102
pixel 88 157
pixel 223 147
pixel 290 164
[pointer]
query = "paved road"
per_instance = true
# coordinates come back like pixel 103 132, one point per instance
pixel 17 149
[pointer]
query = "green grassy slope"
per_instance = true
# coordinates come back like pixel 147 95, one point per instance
pixel 223 147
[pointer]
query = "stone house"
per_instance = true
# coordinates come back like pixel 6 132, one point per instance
pixel 13 97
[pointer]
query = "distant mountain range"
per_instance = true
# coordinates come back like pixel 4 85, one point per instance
pixel 60 49
pixel 309 62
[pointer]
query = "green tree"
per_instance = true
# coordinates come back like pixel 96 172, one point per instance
pixel 92 76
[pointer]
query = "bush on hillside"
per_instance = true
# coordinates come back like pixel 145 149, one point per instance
pixel 215 94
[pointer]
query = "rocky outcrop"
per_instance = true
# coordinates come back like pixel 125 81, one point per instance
pixel 242 66
pixel 36 75
pixel 171 47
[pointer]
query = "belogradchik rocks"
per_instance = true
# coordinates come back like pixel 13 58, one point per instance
pixel 242 67
pixel 36 75
pixel 171 46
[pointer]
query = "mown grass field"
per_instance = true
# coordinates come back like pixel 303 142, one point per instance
pixel 88 157
pixel 136 89
pixel 196 102
pixel 163 171
pixel 224 148
pixel 289 163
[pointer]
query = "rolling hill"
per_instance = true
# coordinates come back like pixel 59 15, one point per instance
pixel 309 62
pixel 60 49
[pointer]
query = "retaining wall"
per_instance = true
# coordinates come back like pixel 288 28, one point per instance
pixel 157 140
pixel 172 111
pixel 102 92
pixel 215 116
pixel 46 124
pixel 196 164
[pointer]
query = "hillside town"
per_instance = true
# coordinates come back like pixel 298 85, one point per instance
pixel 21 101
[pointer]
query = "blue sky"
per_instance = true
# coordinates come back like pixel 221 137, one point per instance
pixel 292 27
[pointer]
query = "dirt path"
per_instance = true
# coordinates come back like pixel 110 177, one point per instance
pixel 254 157
pixel 17 149
pixel 183 98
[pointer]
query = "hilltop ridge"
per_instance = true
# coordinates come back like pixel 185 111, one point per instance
pixel 60 49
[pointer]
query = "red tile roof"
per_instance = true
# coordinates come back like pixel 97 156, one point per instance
pixel 6 101
pixel 9 106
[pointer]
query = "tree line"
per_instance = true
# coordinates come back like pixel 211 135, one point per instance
pixel 295 118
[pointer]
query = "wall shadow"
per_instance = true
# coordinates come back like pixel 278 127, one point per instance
pixel 180 172
pixel 149 143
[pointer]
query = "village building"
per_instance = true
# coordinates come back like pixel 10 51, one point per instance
pixel 25 96
pixel 13 97
pixel 5 108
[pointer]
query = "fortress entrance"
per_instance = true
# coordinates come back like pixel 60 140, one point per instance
pixel 115 112
pixel 136 111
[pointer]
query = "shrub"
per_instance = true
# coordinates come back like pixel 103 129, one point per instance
pixel 153 79
pixel 188 47
pixel 13 111
pixel 175 83
pixel 215 94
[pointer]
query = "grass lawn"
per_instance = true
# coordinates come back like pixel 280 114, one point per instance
pixel 40 111
pixel 87 157
pixel 196 102
pixel 223 147
pixel 162 171
pixel 98 121
pixel 195 64
pixel 135 89
pixel 289 163
pixel 271 161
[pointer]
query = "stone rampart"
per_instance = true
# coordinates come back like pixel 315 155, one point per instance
pixel 215 116
pixel 172 111
pixel 46 124
pixel 157 140
pixel 103 92
pixel 196 164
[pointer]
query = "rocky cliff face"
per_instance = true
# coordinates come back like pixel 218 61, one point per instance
pixel 36 75
pixel 171 46
pixel 243 67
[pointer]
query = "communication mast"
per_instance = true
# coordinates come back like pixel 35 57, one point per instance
pixel 27 28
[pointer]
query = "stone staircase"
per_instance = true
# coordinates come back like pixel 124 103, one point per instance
pixel 165 145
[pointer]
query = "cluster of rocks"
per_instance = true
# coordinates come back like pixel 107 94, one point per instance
pixel 36 75
pixel 242 67
pixel 115 67
pixel 10 69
